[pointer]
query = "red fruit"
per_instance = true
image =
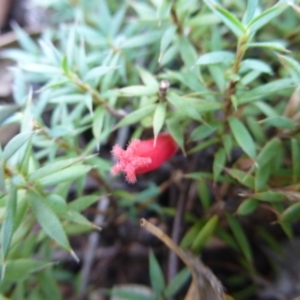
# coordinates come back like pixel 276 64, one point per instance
pixel 143 156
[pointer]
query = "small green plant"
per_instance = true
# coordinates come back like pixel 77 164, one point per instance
pixel 220 77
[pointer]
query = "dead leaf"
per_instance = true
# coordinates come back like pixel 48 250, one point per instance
pixel 205 285
pixel 293 105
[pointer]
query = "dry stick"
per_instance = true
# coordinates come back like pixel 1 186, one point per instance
pixel 94 237
pixel 204 285
pixel 163 237
pixel 173 260
pixel 93 241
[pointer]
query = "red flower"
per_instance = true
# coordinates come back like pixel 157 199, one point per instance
pixel 143 156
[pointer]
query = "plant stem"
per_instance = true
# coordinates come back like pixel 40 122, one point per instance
pixel 240 51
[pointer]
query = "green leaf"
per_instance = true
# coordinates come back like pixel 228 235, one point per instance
pixel 136 115
pixel 47 218
pixel 8 225
pixel 20 269
pixel 290 63
pixel 54 167
pixel 219 163
pixel 204 234
pixel 247 207
pixel 98 122
pixel 68 174
pixel 216 57
pixel 295 147
pixel 137 90
pixel 250 12
pixel 130 292
pixel 141 40
pixel 15 144
pixel 166 41
pixel 265 90
pixel 183 105
pixel 177 283
pixel 269 196
pixel 64 65
pixel 279 122
pixel 242 136
pixel 105 18
pixel 270 45
pixel 240 237
pixel 265 108
pixel 159 118
pixel 187 52
pixel 6 111
pixel 148 79
pixel 287 228
pixel 262 176
pixel 267 16
pixel 24 39
pixel 217 74
pixel 83 202
pixel 230 20
pixel 43 69
pixel 57 203
pixel 256 130
pixel 75 217
pixel 202 105
pixel 255 64
pixel 156 276
pixel 268 152
pixel 291 214
pixel 176 131
pixel 202 132
pixel 189 237
pixel 204 193
pixel 242 177
pixel 49 284
pixel 2 178
pixel 117 20
pixel 94 75
pixel 228 144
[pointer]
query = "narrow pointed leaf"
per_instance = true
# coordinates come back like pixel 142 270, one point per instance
pixel 176 132
pixel 68 174
pixel 251 8
pixel 8 225
pixel 53 168
pixel 20 269
pixel 242 136
pixel 266 16
pixel 229 19
pixel 136 115
pixel 216 57
pixel 240 237
pixel 219 163
pixel 204 234
pixel 47 218
pixel 291 214
pixel 159 118
pixel 166 41
pixel 15 144
pixel 177 283
pixel 156 275
pixel 247 207
pixel 148 79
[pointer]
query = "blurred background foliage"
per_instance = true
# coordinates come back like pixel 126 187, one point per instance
pixel 90 77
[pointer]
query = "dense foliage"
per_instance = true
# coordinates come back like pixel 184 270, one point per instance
pixel 98 75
